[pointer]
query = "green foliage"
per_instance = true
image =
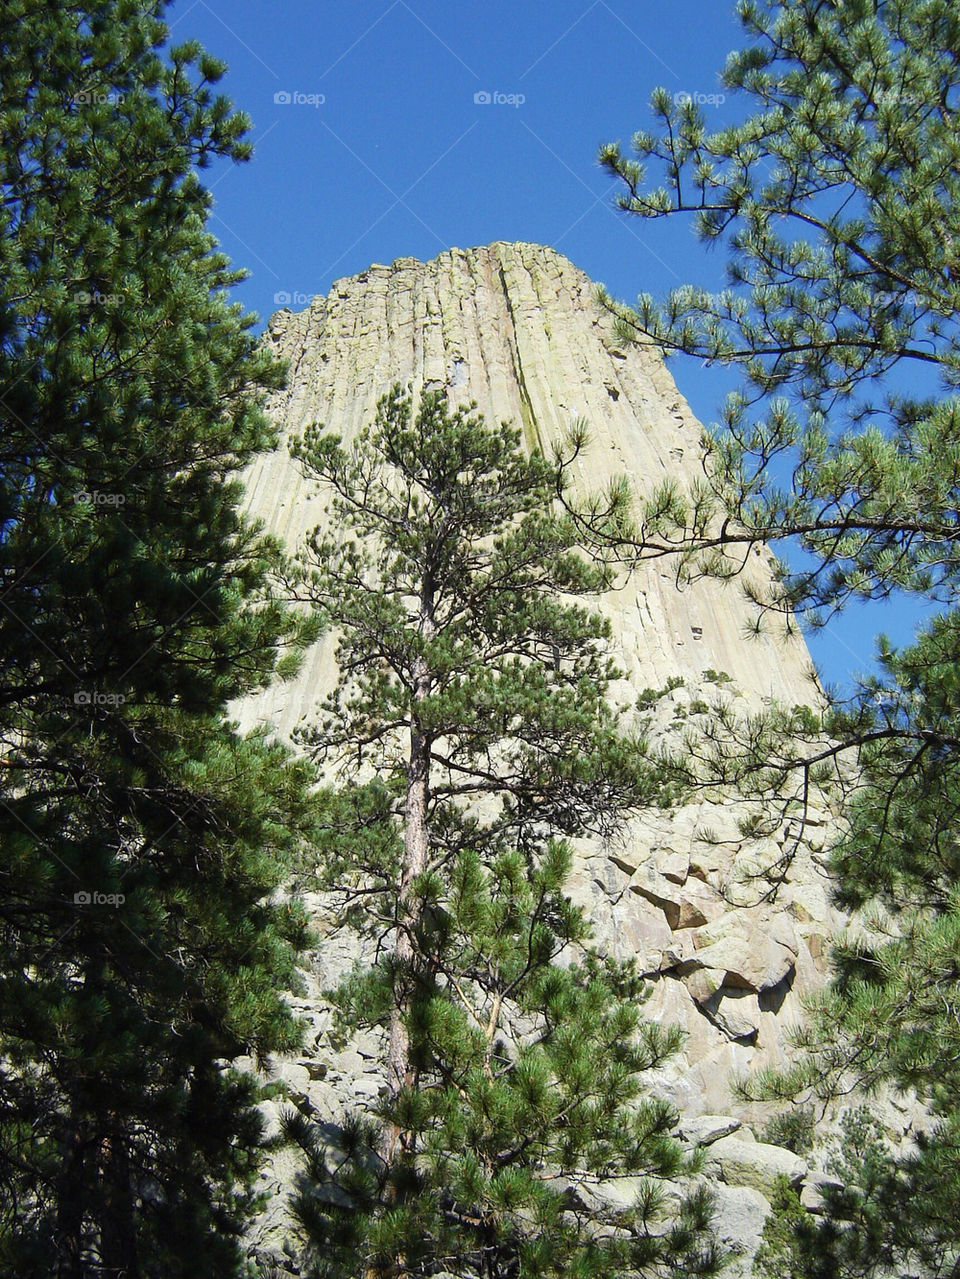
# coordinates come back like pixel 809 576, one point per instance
pixel 786 1236
pixel 835 198
pixel 837 202
pixel 863 1228
pixel 793 1129
pixel 711 676
pixel 473 735
pixel 650 696
pixel 523 1113
pixel 142 835
pixel 448 570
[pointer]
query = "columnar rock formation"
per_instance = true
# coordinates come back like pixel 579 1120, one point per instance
pixel 515 328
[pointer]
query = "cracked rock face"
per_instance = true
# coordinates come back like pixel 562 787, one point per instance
pixel 515 327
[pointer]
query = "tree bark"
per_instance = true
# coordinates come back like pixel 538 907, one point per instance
pixel 70 1206
pixel 118 1235
pixel 415 856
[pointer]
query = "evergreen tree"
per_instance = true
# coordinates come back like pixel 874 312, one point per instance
pixel 836 199
pixel 142 837
pixel 473 741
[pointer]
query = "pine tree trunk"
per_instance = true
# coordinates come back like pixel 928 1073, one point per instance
pixel 118 1235
pixel 70 1206
pixel 415 856
pixel 415 849
pixel 415 845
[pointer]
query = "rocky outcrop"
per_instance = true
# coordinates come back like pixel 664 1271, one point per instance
pixel 514 327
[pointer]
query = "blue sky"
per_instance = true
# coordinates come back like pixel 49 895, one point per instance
pixel 371 144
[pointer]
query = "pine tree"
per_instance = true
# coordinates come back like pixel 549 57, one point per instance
pixel 142 836
pixel 473 742
pixel 835 197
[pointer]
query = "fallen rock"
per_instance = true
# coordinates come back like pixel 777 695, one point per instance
pixel 705 1129
pixel 656 888
pixel 736 1011
pixel 270 1114
pixel 755 1164
pixel 617 1193
pixel 673 864
pixel 699 904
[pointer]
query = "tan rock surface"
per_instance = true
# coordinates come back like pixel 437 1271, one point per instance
pixel 515 327
pixel 754 1164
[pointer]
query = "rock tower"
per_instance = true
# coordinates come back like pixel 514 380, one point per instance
pixel 515 327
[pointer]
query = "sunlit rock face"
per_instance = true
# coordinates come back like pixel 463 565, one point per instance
pixel 515 328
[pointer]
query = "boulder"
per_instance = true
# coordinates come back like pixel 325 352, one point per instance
pixel 705 1129
pixel 741 1214
pixel 751 953
pixel 754 1163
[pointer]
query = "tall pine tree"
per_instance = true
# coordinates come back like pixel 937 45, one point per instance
pixel 141 836
pixel 835 197
pixel 473 740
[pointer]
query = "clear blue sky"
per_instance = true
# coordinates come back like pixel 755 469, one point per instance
pixel 370 145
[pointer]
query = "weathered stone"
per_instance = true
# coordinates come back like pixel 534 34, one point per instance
pixel 270 1114
pixel 705 1129
pixel 291 1073
pixel 673 864
pixel 690 915
pixel 749 879
pixel 755 1164
pixel 664 894
pixel 326 1098
pixel 749 954
pixel 736 1011
pixel 699 904
pixel 369 1087
pixel 703 984
pixel 350 1062
pixel 781 930
pixel 811 1194
pixel 677 953
pixel 601 1196
pixel 513 326
pixel 742 1212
